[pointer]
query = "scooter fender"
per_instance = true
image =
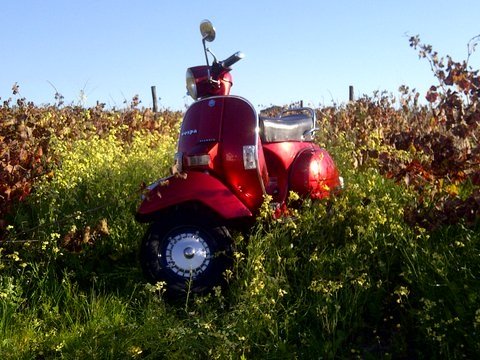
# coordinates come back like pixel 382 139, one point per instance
pixel 194 187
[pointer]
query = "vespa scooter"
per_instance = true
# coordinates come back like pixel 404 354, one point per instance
pixel 228 159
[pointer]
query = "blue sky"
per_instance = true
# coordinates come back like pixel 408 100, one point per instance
pixel 295 50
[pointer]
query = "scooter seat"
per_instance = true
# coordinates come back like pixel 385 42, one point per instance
pixel 295 127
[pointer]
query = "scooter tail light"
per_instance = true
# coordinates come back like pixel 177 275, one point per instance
pixel 250 157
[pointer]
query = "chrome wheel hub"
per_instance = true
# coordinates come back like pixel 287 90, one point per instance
pixel 187 254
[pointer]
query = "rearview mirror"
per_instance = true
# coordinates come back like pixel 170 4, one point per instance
pixel 207 30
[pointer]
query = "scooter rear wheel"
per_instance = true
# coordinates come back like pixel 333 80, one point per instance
pixel 188 256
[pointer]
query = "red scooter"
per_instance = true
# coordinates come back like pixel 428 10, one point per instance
pixel 228 159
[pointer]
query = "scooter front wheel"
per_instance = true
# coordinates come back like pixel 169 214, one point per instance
pixel 187 256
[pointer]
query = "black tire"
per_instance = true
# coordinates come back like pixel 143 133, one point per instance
pixel 187 254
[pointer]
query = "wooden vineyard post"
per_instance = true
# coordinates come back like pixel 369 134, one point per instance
pixel 351 96
pixel 154 98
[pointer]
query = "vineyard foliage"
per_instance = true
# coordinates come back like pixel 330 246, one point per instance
pixel 389 268
pixel 28 135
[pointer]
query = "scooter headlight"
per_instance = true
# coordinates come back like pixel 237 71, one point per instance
pixel 191 84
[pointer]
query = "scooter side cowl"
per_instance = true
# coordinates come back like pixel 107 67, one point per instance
pixel 314 173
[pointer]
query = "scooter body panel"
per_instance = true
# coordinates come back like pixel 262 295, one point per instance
pixel 216 130
pixel 240 133
pixel 195 187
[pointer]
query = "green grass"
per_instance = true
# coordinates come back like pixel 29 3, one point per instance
pixel 346 278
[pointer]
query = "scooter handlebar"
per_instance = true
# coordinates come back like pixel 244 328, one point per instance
pixel 228 62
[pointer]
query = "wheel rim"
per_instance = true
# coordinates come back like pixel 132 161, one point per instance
pixel 187 254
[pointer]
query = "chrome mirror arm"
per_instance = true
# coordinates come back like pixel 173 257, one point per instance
pixel 206 51
pixel 213 55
